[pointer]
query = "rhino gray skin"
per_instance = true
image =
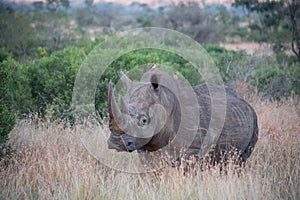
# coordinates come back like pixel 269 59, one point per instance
pixel 128 124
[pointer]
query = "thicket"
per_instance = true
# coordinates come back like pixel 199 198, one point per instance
pixel 39 84
pixel 7 117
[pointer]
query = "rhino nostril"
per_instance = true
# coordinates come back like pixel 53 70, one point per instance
pixel 130 146
pixel 144 121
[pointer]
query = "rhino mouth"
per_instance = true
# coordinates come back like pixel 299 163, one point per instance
pixel 130 147
pixel 121 145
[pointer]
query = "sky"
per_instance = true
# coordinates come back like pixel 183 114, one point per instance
pixel 127 2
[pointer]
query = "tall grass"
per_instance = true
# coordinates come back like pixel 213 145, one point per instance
pixel 50 162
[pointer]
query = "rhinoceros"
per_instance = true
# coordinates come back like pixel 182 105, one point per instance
pixel 152 115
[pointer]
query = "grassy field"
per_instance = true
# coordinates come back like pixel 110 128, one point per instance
pixel 50 162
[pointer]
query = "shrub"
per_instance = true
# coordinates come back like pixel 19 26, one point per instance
pixel 47 83
pixel 52 78
pixel 7 122
pixel 18 94
pixel 273 76
pixel 7 118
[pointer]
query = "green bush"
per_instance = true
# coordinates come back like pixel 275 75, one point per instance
pixel 7 118
pixel 41 84
pixel 17 34
pixel 18 94
pixel 47 83
pixel 7 122
pixel 273 76
pixel 51 80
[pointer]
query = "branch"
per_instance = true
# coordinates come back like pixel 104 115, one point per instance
pixel 295 43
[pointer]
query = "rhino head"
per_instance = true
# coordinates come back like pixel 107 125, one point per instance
pixel 145 119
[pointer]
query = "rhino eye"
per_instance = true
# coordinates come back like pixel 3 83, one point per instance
pixel 143 121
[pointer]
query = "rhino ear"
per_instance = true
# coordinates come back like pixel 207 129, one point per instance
pixel 125 80
pixel 154 81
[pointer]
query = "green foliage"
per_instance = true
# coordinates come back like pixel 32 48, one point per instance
pixel 272 23
pixel 273 77
pixel 47 83
pixel 275 81
pixel 42 52
pixel 187 17
pixel 7 122
pixel 7 118
pixel 85 17
pixel 16 34
pixel 4 55
pixel 33 32
pixel 18 93
pixel 54 5
pixel 52 79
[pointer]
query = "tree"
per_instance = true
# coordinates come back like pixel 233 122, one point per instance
pixel 246 4
pixel 187 17
pixel 89 3
pixel 54 5
pixel 38 5
pixel 16 33
pixel 293 8
pixel 277 20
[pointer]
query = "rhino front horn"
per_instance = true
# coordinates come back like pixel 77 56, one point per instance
pixel 115 116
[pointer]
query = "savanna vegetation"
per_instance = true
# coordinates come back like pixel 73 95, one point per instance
pixel 42 47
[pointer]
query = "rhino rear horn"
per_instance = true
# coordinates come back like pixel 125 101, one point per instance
pixel 125 80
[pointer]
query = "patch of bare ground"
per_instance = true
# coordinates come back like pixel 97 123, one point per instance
pixel 251 48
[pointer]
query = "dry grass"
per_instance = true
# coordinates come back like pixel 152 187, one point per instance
pixel 50 162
